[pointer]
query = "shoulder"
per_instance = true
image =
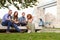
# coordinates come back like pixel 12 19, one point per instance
pixel 6 15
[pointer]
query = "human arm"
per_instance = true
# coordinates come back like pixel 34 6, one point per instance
pixel 7 18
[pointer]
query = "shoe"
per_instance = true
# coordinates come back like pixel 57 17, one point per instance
pixel 29 31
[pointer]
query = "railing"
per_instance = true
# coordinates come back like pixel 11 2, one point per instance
pixel 49 4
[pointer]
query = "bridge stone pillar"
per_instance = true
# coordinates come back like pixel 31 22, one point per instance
pixel 39 13
pixel 58 15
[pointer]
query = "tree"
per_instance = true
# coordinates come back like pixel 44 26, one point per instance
pixel 18 3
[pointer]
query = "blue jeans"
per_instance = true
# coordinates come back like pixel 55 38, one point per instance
pixel 9 24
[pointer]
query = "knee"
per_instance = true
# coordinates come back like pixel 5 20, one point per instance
pixel 15 25
pixel 2 23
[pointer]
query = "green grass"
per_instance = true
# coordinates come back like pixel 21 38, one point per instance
pixel 30 36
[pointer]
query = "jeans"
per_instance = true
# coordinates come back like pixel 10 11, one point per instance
pixel 18 24
pixel 23 24
pixel 9 24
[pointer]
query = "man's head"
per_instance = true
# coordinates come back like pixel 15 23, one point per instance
pixel 23 14
pixel 10 12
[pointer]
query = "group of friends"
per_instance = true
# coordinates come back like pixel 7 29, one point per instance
pixel 14 21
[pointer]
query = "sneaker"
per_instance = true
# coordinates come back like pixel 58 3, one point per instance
pixel 29 31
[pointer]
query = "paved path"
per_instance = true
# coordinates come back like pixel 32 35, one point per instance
pixel 50 30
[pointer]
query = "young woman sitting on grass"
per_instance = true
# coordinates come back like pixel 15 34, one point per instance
pixel 30 25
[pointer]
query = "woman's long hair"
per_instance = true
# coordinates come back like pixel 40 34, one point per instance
pixel 15 16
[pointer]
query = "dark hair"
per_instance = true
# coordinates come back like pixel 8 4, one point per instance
pixel 9 10
pixel 15 16
pixel 23 12
pixel 40 19
pixel 29 16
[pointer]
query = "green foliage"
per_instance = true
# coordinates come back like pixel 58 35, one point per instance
pixel 2 2
pixel 9 1
pixel 26 3
pixel 16 6
pixel 20 1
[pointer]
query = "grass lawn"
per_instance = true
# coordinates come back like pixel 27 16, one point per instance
pixel 30 36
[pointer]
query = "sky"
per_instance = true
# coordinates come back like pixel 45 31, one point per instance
pixel 52 10
pixel 26 10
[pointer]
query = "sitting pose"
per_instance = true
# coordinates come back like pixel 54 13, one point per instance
pixel 23 20
pixel 6 21
pixel 30 25
pixel 15 18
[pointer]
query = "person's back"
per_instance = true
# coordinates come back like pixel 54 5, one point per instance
pixel 5 17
